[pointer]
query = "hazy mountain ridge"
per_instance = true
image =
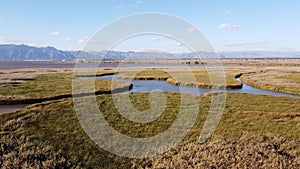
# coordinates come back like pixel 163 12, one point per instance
pixel 9 52
pixel 24 52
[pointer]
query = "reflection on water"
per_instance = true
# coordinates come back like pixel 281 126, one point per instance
pixel 154 85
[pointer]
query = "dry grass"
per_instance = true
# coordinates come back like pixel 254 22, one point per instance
pixel 254 151
pixel 276 79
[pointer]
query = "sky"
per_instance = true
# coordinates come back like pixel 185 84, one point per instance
pixel 268 25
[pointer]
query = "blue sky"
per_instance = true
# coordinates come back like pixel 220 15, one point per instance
pixel 269 25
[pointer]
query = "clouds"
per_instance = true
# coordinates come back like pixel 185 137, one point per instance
pixel 83 40
pixel 55 33
pixel 136 3
pixel 80 40
pixel 123 5
pixel 192 29
pixel 157 38
pixel 229 26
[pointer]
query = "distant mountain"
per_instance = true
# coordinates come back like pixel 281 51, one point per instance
pixel 24 52
pixel 9 52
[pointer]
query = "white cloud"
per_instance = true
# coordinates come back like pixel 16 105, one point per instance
pixel 192 29
pixel 32 44
pixel 83 39
pixel 136 3
pixel 157 38
pixel 55 33
pixel 179 44
pixel 229 27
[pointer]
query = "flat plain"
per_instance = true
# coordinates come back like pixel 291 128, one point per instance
pixel 255 130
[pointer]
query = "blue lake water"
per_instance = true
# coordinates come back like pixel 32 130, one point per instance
pixel 157 85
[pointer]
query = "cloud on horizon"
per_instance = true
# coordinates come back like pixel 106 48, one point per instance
pixel 192 29
pixel 229 26
pixel 83 40
pixel 55 33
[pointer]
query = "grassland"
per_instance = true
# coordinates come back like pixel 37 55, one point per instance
pixel 255 130
pixel 49 134
pixel 51 86
pixel 275 79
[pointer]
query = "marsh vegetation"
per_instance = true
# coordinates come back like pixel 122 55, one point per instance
pixel 257 130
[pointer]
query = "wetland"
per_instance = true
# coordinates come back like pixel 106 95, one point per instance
pixel 260 121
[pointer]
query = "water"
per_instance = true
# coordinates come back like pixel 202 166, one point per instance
pixel 249 89
pixel 11 108
pixel 157 85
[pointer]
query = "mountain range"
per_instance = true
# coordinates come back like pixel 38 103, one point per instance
pixel 10 52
